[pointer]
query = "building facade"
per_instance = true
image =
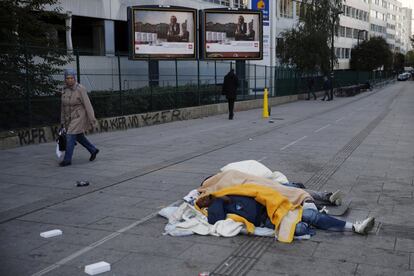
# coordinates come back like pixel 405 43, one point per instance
pixel 98 28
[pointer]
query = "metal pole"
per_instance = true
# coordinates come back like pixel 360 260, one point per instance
pixel 215 81
pixel 28 102
pixel 176 74
pixel 198 81
pixel 120 84
pixel 265 76
pixel 332 56
pixel 176 84
pixel 255 81
pixel 77 66
pixel 150 82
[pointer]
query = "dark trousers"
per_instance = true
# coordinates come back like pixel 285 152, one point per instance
pixel 326 94
pixel 70 145
pixel 231 107
pixel 310 90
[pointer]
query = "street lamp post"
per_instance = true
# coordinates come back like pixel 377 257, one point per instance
pixel 334 15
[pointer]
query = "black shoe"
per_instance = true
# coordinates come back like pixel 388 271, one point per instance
pixel 329 100
pixel 93 155
pixel 65 163
pixel 307 99
pixel 323 99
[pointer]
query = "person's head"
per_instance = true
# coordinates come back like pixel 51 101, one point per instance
pixel 241 19
pixel 173 19
pixel 205 201
pixel 70 77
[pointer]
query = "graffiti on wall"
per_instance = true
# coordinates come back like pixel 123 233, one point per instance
pixel 49 134
pixel 140 120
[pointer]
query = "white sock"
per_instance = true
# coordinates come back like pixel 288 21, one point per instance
pixel 348 225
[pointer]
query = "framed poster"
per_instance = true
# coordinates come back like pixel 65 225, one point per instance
pixel 162 32
pixel 232 34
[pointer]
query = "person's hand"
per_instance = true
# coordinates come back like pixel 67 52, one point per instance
pixel 94 124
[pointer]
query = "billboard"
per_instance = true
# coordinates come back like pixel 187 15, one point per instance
pixel 232 34
pixel 162 33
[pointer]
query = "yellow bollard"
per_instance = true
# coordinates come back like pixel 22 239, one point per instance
pixel 265 104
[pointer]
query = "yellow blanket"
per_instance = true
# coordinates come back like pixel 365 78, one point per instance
pixel 281 212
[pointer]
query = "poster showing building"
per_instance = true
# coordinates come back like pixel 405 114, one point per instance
pixel 163 33
pixel 232 34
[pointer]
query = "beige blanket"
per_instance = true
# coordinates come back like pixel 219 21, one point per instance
pixel 232 177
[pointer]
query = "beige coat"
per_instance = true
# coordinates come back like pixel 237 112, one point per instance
pixel 77 114
pixel 232 177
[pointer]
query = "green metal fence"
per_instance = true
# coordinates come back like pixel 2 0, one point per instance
pixel 119 86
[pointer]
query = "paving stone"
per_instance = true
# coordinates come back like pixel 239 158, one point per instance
pixel 364 269
pixel 15 266
pixel 147 264
pixel 298 265
pixel 208 253
pixel 378 257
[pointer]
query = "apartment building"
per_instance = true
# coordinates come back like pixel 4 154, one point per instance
pixel 99 27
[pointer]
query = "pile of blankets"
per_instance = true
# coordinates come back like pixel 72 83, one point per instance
pixel 245 178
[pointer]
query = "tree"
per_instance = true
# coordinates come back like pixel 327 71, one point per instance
pixel 308 45
pixel 371 54
pixel 29 50
pixel 398 62
pixel 409 58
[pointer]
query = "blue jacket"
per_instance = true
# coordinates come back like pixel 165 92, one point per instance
pixel 243 206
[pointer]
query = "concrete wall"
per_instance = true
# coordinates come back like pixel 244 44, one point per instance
pixel 46 134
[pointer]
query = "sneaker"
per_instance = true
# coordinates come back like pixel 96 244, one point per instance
pixel 336 198
pixel 93 155
pixel 64 163
pixel 363 227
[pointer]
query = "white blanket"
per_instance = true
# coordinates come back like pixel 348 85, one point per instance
pixel 186 220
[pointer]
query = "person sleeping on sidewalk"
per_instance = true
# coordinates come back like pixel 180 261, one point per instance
pixel 235 177
pixel 256 211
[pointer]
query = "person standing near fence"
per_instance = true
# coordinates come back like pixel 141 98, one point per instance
pixel 311 82
pixel 326 87
pixel 77 116
pixel 230 85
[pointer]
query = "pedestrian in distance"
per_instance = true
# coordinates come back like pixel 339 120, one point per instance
pixel 230 85
pixel 311 83
pixel 77 117
pixel 326 87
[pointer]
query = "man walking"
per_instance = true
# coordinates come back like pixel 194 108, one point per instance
pixel 311 82
pixel 230 85
pixel 326 87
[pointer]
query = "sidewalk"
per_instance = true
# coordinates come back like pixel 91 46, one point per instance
pixel 362 145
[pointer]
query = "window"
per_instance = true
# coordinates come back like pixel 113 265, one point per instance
pixel 346 52
pixel 88 35
pixel 342 31
pixel 348 32
pixel 286 8
pixel 121 36
pixel 356 32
